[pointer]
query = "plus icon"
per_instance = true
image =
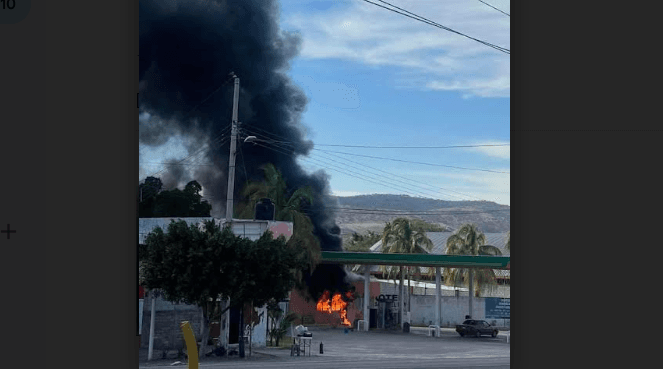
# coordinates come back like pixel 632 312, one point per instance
pixel 8 231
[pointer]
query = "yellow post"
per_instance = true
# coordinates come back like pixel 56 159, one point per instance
pixel 191 348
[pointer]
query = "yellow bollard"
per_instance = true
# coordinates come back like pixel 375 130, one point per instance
pixel 191 348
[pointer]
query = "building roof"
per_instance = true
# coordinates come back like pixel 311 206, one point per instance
pixel 439 240
pixel 248 228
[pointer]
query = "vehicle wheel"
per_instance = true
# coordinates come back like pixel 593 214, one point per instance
pixel 478 334
pixel 461 334
pixel 494 334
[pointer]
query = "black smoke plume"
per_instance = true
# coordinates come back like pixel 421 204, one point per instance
pixel 188 48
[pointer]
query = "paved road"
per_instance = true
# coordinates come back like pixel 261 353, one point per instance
pixel 378 349
pixel 320 363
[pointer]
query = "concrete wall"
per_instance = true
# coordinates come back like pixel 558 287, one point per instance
pixel 168 334
pixel 452 309
pixel 259 335
pixel 167 331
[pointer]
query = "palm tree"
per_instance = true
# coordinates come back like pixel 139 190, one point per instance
pixel 468 240
pixel 508 241
pixel 404 237
pixel 288 207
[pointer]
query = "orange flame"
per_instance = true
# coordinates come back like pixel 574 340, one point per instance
pixel 335 304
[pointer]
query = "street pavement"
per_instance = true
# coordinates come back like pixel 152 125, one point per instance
pixel 376 349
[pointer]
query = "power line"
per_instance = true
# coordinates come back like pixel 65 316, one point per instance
pixel 383 181
pixel 218 139
pixel 413 147
pixel 196 107
pixel 427 21
pixel 259 131
pixel 342 171
pixel 413 162
pixel 494 8
pixel 406 161
pixel 396 175
pixel 383 178
pixel 210 95
pixel 387 212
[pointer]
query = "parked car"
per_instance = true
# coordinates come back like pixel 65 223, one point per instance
pixel 476 328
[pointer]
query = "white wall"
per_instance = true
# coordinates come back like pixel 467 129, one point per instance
pixel 258 337
pixel 452 309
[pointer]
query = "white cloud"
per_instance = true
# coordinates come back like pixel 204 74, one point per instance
pixel 442 60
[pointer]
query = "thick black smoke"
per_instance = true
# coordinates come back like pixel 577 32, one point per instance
pixel 188 48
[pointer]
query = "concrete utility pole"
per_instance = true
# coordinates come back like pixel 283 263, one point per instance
pixel 150 347
pixel 231 190
pixel 471 290
pixel 367 296
pixel 233 150
pixel 402 298
pixel 230 200
pixel 437 300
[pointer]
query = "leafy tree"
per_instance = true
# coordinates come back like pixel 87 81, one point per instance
pixel 361 243
pixel 173 203
pixel 278 324
pixel 508 241
pixel 289 207
pixel 428 227
pixel 197 265
pixel 401 236
pixel 147 194
pixel 468 240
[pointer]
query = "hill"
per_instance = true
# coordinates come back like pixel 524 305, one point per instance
pixel 490 216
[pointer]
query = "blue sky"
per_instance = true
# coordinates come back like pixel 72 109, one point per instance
pixel 377 78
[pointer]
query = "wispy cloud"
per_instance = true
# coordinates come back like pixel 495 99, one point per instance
pixel 435 58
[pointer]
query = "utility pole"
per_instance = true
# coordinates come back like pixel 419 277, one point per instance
pixel 231 189
pixel 233 149
pixel 471 290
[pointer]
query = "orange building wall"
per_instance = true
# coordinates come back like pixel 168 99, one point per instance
pixel 300 306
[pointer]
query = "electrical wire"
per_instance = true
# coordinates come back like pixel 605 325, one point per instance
pixel 494 8
pixel 218 139
pixel 400 160
pixel 413 147
pixel 387 212
pixel 413 162
pixel 396 175
pixel 381 181
pixel 391 179
pixel 427 21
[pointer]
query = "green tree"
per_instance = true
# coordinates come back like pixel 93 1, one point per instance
pixel 198 265
pixel 428 227
pixel 468 240
pixel 361 243
pixel 278 324
pixel 289 207
pixel 401 236
pixel 508 241
pixel 174 203
pixel 147 194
